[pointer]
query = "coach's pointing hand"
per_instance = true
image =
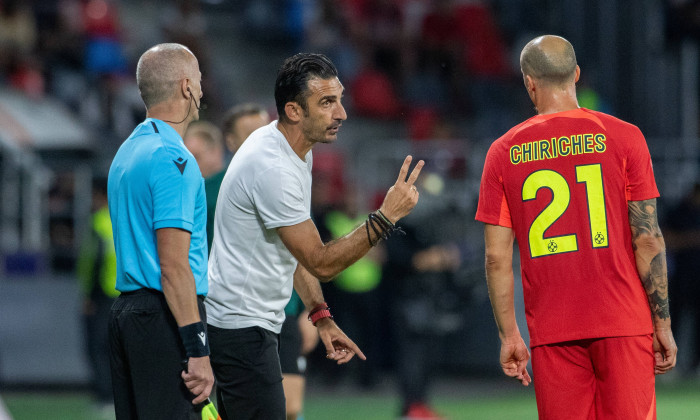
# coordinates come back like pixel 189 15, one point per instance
pixel 402 197
pixel 338 346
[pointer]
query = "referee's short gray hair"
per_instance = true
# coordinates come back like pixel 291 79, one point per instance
pixel 159 70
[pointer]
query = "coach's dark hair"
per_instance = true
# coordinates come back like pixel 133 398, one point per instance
pixel 293 77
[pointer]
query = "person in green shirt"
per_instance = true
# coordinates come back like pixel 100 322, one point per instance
pixel 205 141
pixel 96 270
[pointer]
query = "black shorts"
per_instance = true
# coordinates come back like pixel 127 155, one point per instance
pixel 248 376
pixel 146 355
pixel 291 359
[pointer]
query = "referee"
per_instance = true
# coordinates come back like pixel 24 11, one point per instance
pixel 159 349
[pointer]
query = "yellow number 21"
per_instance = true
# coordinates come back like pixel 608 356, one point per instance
pixel 592 176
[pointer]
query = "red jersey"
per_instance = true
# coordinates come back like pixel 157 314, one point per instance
pixel 561 182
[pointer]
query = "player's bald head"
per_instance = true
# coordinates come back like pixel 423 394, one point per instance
pixel 161 68
pixel 549 58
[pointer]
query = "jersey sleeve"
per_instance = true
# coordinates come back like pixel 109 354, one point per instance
pixel 639 172
pixel 279 198
pixel 174 182
pixel 493 206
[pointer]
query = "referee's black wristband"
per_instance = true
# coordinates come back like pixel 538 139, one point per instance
pixel 194 338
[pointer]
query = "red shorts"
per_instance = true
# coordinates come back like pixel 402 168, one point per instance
pixel 605 378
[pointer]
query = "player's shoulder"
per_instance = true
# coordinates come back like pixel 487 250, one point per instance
pixel 611 122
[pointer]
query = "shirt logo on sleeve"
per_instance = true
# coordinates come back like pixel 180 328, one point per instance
pixel 180 163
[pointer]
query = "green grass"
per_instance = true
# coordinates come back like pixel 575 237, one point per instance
pixel 370 408
pixel 678 401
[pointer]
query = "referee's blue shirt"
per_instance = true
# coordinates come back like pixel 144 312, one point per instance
pixel 154 182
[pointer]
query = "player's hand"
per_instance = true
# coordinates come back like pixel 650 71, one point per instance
pixel 402 197
pixel 665 351
pixel 338 346
pixel 514 358
pixel 199 378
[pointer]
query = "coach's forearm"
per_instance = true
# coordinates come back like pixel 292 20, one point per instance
pixel 337 255
pixel 325 261
pixel 308 288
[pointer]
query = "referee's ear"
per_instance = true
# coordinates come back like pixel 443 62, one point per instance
pixel 185 89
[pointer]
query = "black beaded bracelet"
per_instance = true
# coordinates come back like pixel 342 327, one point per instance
pixel 372 220
pixel 369 238
pixel 194 339
pixel 382 227
pixel 386 219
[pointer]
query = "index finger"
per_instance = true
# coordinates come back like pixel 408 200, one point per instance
pixel 404 169
pixel 352 346
pixel 416 171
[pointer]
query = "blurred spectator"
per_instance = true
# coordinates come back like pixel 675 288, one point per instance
pixel 354 294
pixel 374 94
pixel 183 22
pixel 205 141
pixel 420 271
pixel 329 31
pixel 18 31
pixel 61 47
pixel 682 235
pixel 240 121
pixel 380 34
pixel 26 75
pixel 18 41
pixel 434 77
pixel 104 60
pixel 97 273
pixel 103 49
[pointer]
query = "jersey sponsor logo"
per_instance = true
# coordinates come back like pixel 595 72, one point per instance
pixel 555 147
pixel 203 337
pixel 180 163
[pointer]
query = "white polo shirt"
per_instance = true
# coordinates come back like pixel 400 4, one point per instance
pixel 266 186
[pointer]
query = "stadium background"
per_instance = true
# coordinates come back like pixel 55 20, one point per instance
pixel 440 88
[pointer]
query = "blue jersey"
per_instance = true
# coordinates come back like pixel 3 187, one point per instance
pixel 154 182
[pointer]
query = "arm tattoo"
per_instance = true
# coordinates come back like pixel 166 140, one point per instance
pixel 643 219
pixel 647 242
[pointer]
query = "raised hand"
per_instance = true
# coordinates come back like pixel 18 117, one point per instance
pixel 402 197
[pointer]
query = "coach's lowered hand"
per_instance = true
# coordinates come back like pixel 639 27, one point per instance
pixel 338 346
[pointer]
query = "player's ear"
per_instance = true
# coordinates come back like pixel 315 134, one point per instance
pixel 578 74
pixel 293 111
